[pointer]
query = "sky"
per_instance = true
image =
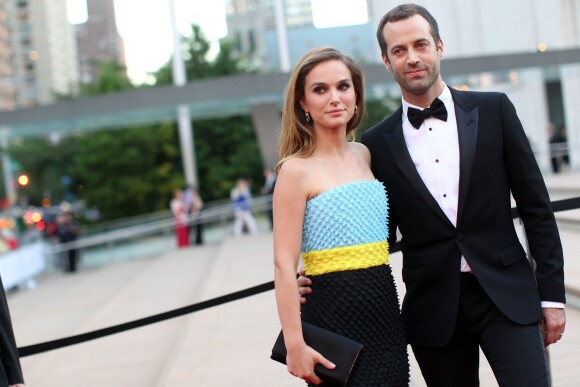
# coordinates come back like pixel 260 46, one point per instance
pixel 145 25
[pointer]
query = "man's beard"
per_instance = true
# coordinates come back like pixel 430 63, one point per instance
pixel 420 86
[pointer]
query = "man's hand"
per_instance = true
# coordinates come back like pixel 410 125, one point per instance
pixel 304 283
pixel 553 325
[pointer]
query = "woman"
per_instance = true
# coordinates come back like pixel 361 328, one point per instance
pixel 179 210
pixel 329 208
pixel 241 198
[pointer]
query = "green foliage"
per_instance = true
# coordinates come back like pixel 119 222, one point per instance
pixel 45 162
pixel 226 149
pixel 112 79
pixel 376 110
pixel 198 64
pixel 128 171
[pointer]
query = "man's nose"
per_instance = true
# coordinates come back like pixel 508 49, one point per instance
pixel 413 57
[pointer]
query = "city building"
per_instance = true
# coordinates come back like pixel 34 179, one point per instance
pixel 6 79
pixel 44 53
pixel 98 39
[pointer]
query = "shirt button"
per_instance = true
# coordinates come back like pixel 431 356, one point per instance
pixel 436 160
pixel 430 129
pixel 444 195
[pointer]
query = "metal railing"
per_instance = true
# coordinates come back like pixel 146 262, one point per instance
pixel 160 225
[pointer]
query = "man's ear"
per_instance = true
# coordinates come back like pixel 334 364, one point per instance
pixel 386 62
pixel 440 49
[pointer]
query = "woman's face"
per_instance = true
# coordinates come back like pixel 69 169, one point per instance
pixel 329 95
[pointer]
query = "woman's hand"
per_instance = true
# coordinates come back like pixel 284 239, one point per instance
pixel 301 361
pixel 304 283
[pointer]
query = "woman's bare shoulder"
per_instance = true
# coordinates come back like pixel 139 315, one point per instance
pixel 293 167
pixel 361 151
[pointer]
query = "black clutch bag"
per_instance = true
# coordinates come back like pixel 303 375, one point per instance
pixel 340 350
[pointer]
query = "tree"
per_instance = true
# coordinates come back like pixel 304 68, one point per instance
pixel 112 78
pixel 227 149
pixel 198 64
pixel 128 171
pixel 48 164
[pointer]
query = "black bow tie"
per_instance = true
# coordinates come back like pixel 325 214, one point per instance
pixel 437 110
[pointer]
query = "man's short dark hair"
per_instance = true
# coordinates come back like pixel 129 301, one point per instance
pixel 402 12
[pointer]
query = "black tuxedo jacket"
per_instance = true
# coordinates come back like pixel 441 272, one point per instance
pixel 495 159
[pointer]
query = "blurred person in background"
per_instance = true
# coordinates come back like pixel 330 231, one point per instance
pixel 193 205
pixel 68 231
pixel 180 218
pixel 557 142
pixel 241 198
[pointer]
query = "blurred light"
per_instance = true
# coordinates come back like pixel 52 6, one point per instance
pixel 542 47
pixel 23 180
pixel 33 55
pixel 514 77
pixel 45 202
pixel 6 223
pixel 463 87
pixel 31 217
pixel 40 226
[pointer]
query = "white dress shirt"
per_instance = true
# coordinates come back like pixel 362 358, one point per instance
pixel 434 148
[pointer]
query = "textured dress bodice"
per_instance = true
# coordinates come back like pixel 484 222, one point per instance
pixel 346 228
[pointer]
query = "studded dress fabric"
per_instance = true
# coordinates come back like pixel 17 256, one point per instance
pixel 353 292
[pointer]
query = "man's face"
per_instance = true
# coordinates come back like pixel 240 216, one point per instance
pixel 414 59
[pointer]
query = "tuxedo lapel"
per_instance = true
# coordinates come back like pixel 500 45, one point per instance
pixel 396 143
pixel 467 126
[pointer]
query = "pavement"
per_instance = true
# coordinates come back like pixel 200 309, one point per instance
pixel 227 345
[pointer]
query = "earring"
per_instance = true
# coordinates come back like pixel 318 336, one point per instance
pixel 307 116
pixel 355 110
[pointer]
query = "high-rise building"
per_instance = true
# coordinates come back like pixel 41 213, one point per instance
pixel 252 26
pixel 98 39
pixel 249 22
pixel 6 78
pixel 44 54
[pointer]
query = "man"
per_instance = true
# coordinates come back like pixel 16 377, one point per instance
pixel 448 175
pixel 193 205
pixel 68 231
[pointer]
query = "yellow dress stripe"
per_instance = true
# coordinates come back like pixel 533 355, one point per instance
pixel 346 258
